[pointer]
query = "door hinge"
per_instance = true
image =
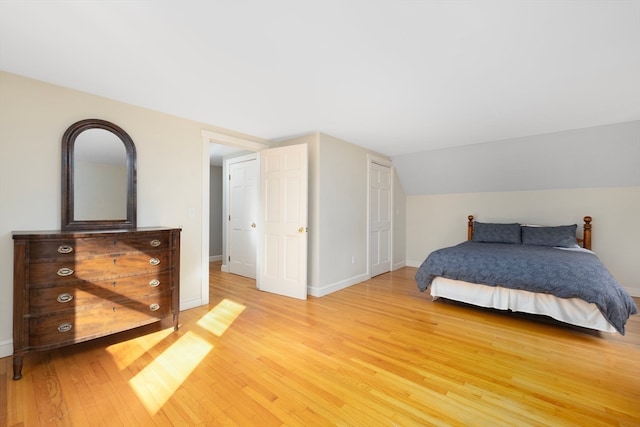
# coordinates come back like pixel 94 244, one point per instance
pixel 229 217
pixel 229 258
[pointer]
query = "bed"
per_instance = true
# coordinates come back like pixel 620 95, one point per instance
pixel 530 268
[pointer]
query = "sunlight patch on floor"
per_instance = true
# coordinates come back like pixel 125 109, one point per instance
pixel 126 352
pixel 157 382
pixel 219 318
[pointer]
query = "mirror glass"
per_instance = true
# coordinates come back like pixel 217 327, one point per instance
pixel 98 177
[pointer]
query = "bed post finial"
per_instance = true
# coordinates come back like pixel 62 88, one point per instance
pixel 470 227
pixel 586 238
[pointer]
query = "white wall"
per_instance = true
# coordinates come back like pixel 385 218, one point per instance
pixel 601 156
pixel 33 118
pixel 342 214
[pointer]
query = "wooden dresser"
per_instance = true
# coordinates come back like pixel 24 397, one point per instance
pixel 73 286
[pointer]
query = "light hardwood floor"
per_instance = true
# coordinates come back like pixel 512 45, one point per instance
pixel 377 353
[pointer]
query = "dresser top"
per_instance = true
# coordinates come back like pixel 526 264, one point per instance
pixel 57 234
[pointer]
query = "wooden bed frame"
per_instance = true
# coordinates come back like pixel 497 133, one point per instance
pixel 585 241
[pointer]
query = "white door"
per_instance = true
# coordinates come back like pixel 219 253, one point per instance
pixel 243 217
pixel 379 218
pixel 282 247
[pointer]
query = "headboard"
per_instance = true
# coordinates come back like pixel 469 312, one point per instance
pixel 585 241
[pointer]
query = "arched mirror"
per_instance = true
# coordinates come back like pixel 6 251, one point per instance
pixel 98 177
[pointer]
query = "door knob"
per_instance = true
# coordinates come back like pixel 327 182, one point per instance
pixel 253 225
pixel 302 229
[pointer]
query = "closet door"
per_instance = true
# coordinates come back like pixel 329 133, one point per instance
pixel 379 218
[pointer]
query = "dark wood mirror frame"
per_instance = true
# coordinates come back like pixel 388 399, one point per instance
pixel 69 222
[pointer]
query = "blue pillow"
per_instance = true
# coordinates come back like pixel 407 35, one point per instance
pixel 563 236
pixel 496 233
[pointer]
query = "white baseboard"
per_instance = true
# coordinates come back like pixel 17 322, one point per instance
pixel 328 289
pixel 224 268
pixel 215 258
pixel 398 265
pixel 190 303
pixel 634 292
pixel 416 264
pixel 6 348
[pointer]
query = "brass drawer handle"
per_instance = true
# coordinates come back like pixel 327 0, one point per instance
pixel 65 297
pixel 154 261
pixel 65 249
pixel 155 243
pixel 154 307
pixel 154 283
pixel 65 327
pixel 64 272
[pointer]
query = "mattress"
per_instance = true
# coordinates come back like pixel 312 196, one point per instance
pixel 574 311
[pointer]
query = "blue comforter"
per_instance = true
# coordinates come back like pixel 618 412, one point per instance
pixel 563 273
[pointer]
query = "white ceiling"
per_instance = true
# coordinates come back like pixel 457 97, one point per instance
pixel 396 76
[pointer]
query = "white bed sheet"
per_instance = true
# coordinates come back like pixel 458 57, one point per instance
pixel 569 310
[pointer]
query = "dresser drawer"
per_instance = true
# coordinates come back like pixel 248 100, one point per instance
pixel 82 295
pixel 97 320
pixel 59 273
pixel 66 249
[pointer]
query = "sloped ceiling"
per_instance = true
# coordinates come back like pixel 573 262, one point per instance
pixel 396 76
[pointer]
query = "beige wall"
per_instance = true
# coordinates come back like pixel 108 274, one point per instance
pixel 33 117
pixel 215 213
pixel 172 180
pixel 435 221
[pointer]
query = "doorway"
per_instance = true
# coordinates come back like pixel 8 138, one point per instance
pixel 281 160
pixel 234 143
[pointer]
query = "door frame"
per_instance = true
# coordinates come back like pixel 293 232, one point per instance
pixel 209 137
pixel 386 163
